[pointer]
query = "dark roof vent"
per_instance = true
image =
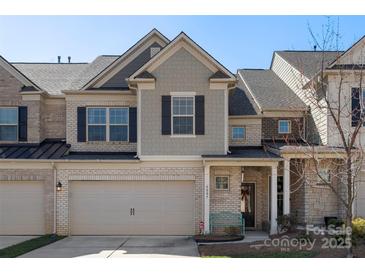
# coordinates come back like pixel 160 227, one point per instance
pixel 59 59
pixel 69 59
pixel 315 47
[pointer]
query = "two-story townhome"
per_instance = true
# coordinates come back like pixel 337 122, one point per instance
pixel 157 141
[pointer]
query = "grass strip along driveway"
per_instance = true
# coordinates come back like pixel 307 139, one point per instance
pixel 27 246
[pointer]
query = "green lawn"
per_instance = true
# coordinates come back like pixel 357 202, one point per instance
pixel 27 246
pixel 292 254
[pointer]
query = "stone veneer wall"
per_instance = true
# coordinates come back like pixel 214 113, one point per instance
pixel 66 176
pixel 43 175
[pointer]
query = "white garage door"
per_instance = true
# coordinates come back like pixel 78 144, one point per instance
pixel 21 208
pixel 360 201
pixel 132 208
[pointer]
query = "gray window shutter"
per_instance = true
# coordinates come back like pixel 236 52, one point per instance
pixel 166 115
pixel 355 106
pixel 23 124
pixel 132 125
pixel 81 124
pixel 199 115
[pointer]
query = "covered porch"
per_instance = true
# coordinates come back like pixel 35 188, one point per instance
pixel 251 186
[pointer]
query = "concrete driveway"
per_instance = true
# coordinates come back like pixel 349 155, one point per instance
pixel 6 241
pixel 118 247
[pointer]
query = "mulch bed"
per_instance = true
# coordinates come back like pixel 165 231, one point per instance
pixel 217 238
pixel 259 249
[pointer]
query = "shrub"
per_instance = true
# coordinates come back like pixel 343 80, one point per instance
pixel 358 228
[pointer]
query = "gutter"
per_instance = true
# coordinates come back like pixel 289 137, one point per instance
pixel 70 161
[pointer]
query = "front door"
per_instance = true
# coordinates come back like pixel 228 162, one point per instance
pixel 248 204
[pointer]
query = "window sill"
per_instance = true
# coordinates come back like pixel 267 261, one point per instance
pixel 107 142
pixel 183 136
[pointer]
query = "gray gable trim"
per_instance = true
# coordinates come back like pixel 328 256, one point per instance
pixel 219 75
pixel 119 79
pixel 145 75
pixel 181 36
pixel 125 55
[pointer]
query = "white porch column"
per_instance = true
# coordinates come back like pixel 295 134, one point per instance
pixel 274 199
pixel 206 198
pixel 286 186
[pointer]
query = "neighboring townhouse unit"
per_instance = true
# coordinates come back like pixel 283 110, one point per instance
pixel 157 141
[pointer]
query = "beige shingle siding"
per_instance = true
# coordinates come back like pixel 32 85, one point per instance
pixel 295 81
pixel 182 72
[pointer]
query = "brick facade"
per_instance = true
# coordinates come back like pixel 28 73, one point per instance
pixel 270 128
pixel 71 128
pixel 230 200
pixel 10 96
pixel 253 132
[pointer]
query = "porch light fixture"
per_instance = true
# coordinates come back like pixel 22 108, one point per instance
pixel 59 186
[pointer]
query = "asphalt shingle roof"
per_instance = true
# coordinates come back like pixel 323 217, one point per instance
pixel 55 77
pixel 269 91
pixel 240 101
pixel 246 152
pixel 308 62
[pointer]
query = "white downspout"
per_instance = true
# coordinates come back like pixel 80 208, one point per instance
pixel 54 198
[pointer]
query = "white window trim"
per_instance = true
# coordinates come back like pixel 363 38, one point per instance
pixel 17 124
pixel 107 124
pixel 238 139
pixel 182 94
pixel 215 183
pixel 280 132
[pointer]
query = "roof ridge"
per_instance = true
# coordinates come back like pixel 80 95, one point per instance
pixel 253 69
pixel 289 50
pixel 48 63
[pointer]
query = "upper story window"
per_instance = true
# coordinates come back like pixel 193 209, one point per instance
pixel 8 124
pixel 284 126
pixel 183 115
pixel 238 133
pixel 107 124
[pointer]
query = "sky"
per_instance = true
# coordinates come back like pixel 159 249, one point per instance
pixel 235 41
